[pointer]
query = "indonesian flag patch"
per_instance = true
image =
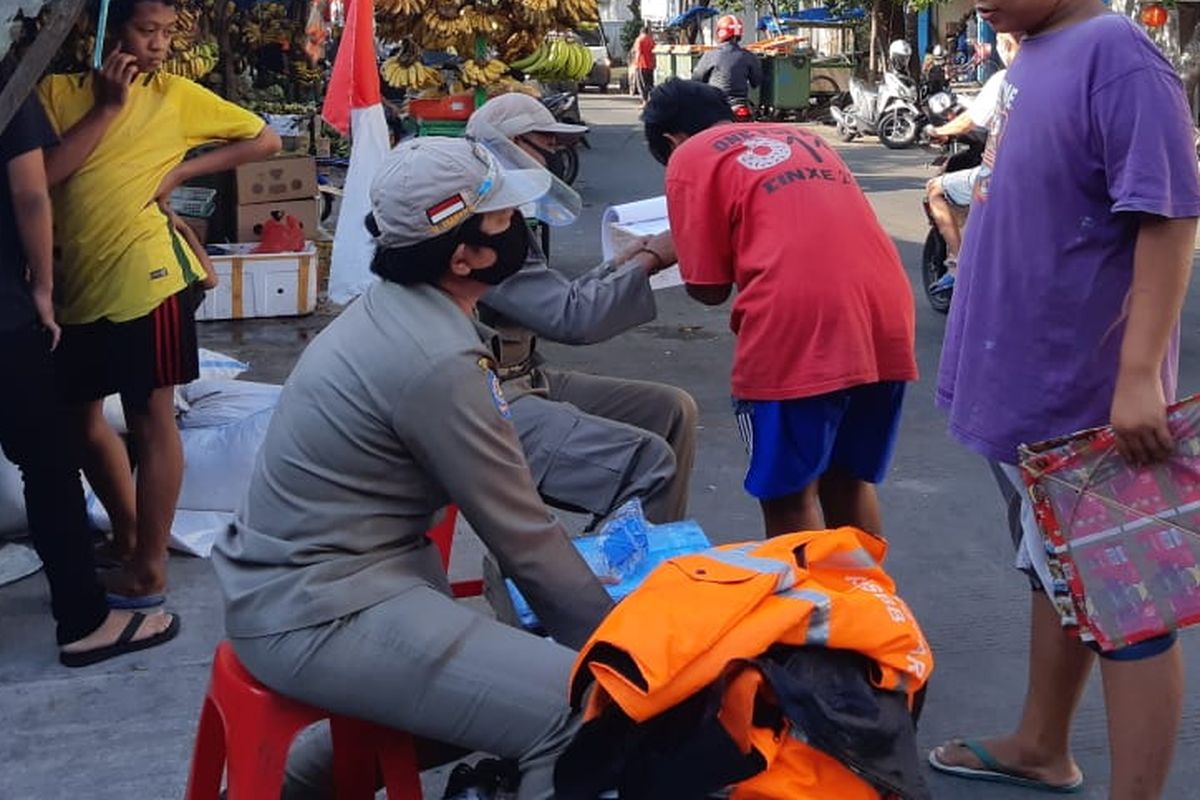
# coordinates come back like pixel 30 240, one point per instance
pixel 446 209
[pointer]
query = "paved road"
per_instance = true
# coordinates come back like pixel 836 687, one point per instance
pixel 124 730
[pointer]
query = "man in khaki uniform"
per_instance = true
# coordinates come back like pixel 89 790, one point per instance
pixel 592 442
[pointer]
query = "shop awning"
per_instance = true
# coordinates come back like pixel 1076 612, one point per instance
pixel 694 14
pixel 822 15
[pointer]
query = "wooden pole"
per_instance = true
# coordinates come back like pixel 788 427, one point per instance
pixel 34 61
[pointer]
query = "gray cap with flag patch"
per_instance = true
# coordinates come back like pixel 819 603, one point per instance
pixel 429 185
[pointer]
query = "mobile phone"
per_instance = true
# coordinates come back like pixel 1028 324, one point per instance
pixel 101 29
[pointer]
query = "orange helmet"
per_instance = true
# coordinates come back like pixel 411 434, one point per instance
pixel 729 27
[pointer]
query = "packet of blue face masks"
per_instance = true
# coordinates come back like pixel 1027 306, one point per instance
pixel 625 550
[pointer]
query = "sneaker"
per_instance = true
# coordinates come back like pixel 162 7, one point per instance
pixel 942 284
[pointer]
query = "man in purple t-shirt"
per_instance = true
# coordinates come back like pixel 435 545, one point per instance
pixel 1065 316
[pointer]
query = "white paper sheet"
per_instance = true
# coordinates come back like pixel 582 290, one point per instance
pixel 624 223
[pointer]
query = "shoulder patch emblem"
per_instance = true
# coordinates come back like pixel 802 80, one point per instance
pixel 494 385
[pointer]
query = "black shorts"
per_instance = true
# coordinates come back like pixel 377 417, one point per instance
pixel 131 358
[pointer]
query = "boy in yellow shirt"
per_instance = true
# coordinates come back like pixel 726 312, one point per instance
pixel 126 274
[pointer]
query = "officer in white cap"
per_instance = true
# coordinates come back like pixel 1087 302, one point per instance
pixel 592 442
pixel 334 595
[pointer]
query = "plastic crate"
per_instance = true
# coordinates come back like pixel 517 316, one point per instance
pixel 194 201
pixel 456 107
pixel 440 127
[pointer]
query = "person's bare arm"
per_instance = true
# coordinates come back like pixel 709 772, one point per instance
pixel 958 126
pixel 232 155
pixel 34 215
pixel 78 143
pixel 1162 267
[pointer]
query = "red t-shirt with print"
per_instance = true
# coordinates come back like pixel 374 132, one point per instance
pixel 823 302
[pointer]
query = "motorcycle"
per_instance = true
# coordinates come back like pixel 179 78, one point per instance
pixel 957 153
pixel 565 108
pixel 742 110
pixel 889 111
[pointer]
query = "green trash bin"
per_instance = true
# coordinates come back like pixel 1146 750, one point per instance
pixel 664 63
pixel 787 82
pixel 685 60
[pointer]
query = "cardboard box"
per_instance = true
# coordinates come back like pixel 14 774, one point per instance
pixel 277 179
pixel 199 226
pixel 270 285
pixel 251 217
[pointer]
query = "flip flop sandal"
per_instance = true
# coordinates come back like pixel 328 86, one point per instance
pixel 132 602
pixel 995 772
pixel 125 643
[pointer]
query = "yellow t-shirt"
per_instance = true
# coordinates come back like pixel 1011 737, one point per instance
pixel 119 256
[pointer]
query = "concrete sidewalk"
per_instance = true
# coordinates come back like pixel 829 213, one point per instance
pixel 124 730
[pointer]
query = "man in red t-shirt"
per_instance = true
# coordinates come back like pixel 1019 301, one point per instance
pixel 643 62
pixel 823 313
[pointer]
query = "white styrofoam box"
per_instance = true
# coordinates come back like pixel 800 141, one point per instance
pixel 268 285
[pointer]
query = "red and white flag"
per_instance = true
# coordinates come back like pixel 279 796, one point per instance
pixel 353 105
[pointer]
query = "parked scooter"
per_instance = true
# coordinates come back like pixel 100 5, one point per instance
pixel 889 110
pixel 565 108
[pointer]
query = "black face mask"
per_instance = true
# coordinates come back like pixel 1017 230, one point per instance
pixel 556 160
pixel 511 247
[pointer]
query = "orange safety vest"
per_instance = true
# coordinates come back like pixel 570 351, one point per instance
pixel 696 614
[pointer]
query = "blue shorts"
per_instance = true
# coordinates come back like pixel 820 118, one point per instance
pixel 791 443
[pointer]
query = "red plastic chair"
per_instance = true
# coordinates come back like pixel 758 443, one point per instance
pixel 246 730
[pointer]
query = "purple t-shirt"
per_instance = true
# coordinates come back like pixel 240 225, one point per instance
pixel 1091 128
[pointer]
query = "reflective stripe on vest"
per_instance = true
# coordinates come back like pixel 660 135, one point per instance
pixel 818 618
pixel 785 576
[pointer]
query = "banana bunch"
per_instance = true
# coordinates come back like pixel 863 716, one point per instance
pixel 482 73
pixel 508 85
pixel 536 17
pixel 445 20
pixel 305 73
pixel 572 12
pixel 517 45
pixel 405 8
pixel 558 60
pixel 475 21
pixel 187 21
pixel 252 34
pixel 409 76
pixel 195 63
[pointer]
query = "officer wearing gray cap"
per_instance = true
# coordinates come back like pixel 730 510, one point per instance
pixel 592 442
pixel 334 595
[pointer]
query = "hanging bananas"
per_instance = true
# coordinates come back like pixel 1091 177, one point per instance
pixel 573 12
pixel 194 63
pixel 557 60
pixel 409 76
pixel 482 73
pixel 444 19
pixel 407 8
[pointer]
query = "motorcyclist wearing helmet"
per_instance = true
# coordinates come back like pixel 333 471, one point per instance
pixel 730 67
pixel 933 71
pixel 900 57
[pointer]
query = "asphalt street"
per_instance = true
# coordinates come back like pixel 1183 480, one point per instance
pixel 124 730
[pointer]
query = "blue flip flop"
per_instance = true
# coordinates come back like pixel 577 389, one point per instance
pixel 133 602
pixel 995 772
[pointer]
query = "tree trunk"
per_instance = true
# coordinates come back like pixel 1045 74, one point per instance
pixel 873 35
pixel 228 59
